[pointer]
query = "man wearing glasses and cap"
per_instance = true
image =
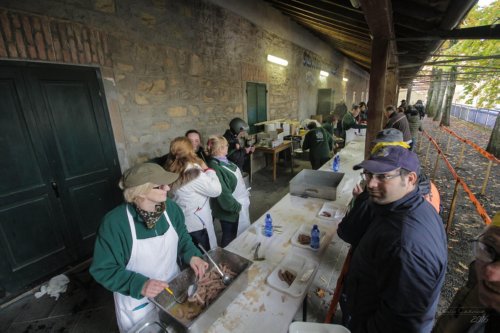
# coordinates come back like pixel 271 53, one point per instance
pixel 398 268
pixel 476 307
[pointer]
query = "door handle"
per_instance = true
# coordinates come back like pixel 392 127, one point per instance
pixel 54 187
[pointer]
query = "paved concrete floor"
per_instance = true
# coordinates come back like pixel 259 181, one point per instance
pixel 87 307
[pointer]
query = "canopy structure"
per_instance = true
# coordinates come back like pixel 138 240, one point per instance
pixel 415 28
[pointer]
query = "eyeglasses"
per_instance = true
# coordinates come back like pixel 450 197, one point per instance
pixel 381 177
pixel 485 252
pixel 160 187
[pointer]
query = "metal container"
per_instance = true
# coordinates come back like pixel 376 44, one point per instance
pixel 316 184
pixel 208 315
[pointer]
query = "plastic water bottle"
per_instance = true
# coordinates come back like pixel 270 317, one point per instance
pixel 336 163
pixel 268 226
pixel 315 237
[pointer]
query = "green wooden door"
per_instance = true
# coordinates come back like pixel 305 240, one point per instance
pixel 256 104
pixel 58 172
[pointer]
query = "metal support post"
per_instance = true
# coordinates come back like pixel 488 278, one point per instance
pixel 452 207
pixel 460 159
pixel 427 153
pixel 488 170
pixel 448 144
pixel 435 167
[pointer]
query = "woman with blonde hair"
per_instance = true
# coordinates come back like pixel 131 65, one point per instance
pixel 192 190
pixel 231 207
pixel 138 243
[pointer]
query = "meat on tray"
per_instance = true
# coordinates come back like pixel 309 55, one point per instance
pixel 304 239
pixel 286 276
pixel 326 214
pixel 210 286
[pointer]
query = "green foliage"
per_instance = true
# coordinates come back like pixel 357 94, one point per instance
pixel 483 87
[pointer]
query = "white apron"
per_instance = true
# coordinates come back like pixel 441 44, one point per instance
pixel 155 258
pixel 204 214
pixel 241 195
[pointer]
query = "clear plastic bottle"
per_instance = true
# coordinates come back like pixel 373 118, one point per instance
pixel 268 226
pixel 336 163
pixel 315 237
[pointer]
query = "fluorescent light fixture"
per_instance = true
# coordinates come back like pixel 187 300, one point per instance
pixel 345 79
pixel 277 60
pixel 323 73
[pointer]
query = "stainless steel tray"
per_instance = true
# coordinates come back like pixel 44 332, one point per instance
pixel 208 315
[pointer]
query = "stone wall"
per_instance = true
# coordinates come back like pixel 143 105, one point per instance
pixel 169 66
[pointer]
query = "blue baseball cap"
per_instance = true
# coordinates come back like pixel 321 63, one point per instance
pixel 390 158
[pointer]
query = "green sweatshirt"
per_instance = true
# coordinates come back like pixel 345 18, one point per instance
pixel 319 142
pixel 113 247
pixel 225 207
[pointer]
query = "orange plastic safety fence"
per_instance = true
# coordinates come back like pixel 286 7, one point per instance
pixel 480 209
pixel 472 144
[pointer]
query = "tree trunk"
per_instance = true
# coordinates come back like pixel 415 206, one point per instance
pixel 436 83
pixel 439 101
pixel 445 120
pixel 494 143
pixel 408 94
pixel 430 91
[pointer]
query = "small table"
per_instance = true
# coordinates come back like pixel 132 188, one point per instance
pixel 275 151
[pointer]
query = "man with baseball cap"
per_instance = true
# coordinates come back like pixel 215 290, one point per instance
pixel 398 268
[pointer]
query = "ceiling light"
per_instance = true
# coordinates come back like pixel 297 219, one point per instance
pixel 277 60
pixel 355 3
pixel 345 79
pixel 323 73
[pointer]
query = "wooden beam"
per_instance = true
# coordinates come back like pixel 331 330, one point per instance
pixel 482 32
pixel 378 15
pixel 380 57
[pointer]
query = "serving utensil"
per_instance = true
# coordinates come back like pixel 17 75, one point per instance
pixel 226 279
pixel 181 299
pixel 256 253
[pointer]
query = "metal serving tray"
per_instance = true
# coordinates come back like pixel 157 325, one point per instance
pixel 207 316
pixel 316 184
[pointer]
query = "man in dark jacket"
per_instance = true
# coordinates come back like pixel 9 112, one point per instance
pixel 398 268
pixel 398 121
pixel 355 223
pixel 320 144
pixel 420 108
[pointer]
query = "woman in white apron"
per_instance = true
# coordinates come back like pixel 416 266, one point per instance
pixel 192 190
pixel 138 243
pixel 231 207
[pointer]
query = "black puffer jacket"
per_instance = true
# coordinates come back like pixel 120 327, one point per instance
pixel 397 270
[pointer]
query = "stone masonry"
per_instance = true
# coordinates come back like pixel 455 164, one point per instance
pixel 169 66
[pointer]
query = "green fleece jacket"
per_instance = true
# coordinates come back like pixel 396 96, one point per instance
pixel 225 207
pixel 113 247
pixel 319 142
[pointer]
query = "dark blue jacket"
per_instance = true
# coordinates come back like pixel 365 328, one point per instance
pixel 355 223
pixel 397 270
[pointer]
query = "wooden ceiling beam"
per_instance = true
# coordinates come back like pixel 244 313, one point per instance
pixel 360 32
pixel 355 17
pixel 327 30
pixel 293 11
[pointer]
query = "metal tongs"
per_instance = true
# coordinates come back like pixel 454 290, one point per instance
pixel 226 279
